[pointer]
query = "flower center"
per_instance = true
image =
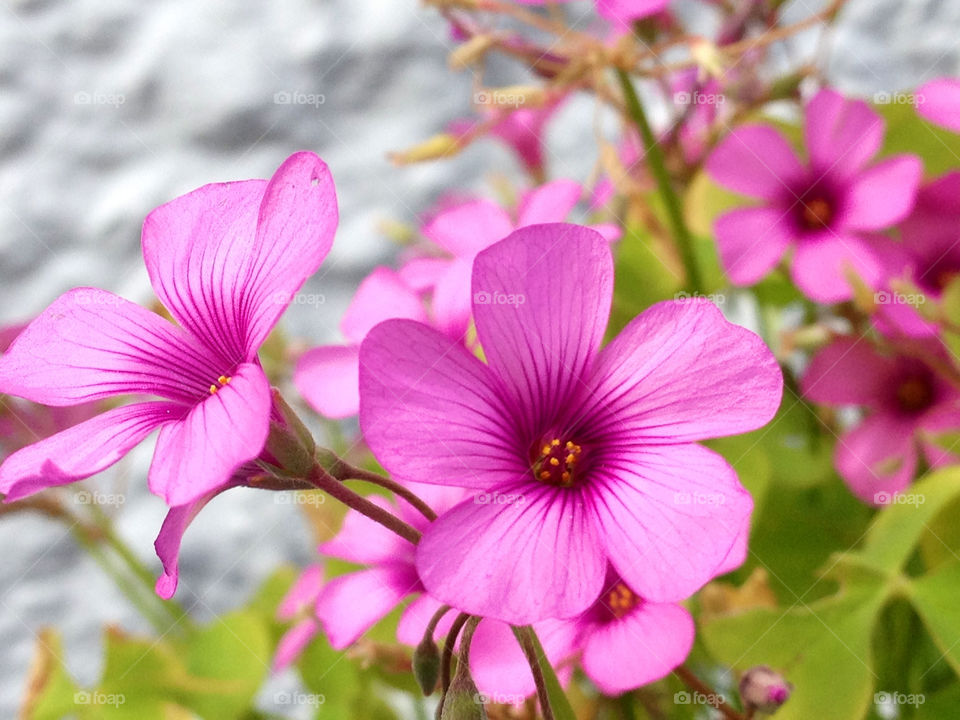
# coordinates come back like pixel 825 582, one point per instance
pixel 817 212
pixel 914 394
pixel 555 463
pixel 621 600
pixel 222 381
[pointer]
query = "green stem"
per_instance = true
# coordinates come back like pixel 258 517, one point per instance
pixel 670 198
pixel 530 652
pixel 626 706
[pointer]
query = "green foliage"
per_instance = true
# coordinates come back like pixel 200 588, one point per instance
pixel 907 132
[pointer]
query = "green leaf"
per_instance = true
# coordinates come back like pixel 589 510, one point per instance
pixel 642 277
pixel 234 649
pixel 907 132
pixel 935 598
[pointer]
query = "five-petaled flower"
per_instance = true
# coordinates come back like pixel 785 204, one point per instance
pixel 827 210
pixel 595 445
pixel 225 260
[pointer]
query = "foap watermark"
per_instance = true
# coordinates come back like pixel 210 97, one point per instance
pixel 99 698
pixel 699 498
pixel 99 98
pixel 295 97
pixel 299 498
pixel 898 698
pixel 499 698
pixel 499 98
pixel 483 297
pixel 683 697
pixel 498 498
pixel 886 297
pixel 885 498
pixel 299 698
pixel 684 297
pixel 86 497
pixel 898 98
pixel 309 299
pixel 698 98
pixel 97 297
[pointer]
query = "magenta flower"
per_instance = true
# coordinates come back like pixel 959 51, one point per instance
pixel 906 402
pixel 591 454
pixel 522 130
pixel 466 229
pixel 224 260
pixel 928 257
pixel 328 376
pixel 298 605
pixel 823 209
pixel 351 604
pixel 939 102
pixel 620 10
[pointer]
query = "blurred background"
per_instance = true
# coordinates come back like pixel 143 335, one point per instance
pixel 110 108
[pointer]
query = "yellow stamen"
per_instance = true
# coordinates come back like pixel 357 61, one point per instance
pixel 213 389
pixel 554 462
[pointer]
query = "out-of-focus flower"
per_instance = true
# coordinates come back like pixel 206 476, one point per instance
pixel 927 258
pixel 328 376
pixel 939 102
pixel 825 209
pixel 298 604
pixel 764 690
pixel 590 454
pixel 906 403
pixel 467 229
pixel 619 10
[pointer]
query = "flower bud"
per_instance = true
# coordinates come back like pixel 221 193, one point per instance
pixel 463 700
pixel 426 665
pixel 763 690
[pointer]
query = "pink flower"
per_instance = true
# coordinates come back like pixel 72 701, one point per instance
pixel 939 102
pixel 593 452
pixel 620 10
pixel 298 605
pixel 465 230
pixel 522 130
pixel 328 376
pixel 928 256
pixel 224 260
pixel 905 400
pixel 822 209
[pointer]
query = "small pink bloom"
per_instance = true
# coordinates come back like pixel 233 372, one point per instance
pixel 328 376
pixel 594 451
pixel 824 209
pixel 298 604
pixel 939 102
pixel 905 401
pixel 465 230
pixel 624 11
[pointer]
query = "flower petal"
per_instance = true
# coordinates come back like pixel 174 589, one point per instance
pixel 201 452
pixel 467 229
pixel 351 604
pixel 170 537
pixel 430 410
pixel 629 10
pixel 381 296
pixel 451 299
pixel 227 258
pixel 884 194
pixel 293 643
pixel 530 559
pixel 541 300
pixel 303 595
pixel 841 134
pixel 755 160
pixel 680 372
pixel 640 648
pixel 878 458
pixel 548 203
pixel 82 450
pixel 820 266
pixel 848 371
pixel 417 615
pixel 329 379
pixel 751 241
pixel 92 344
pixel 669 517
pixel 367 542
pixel 941 102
